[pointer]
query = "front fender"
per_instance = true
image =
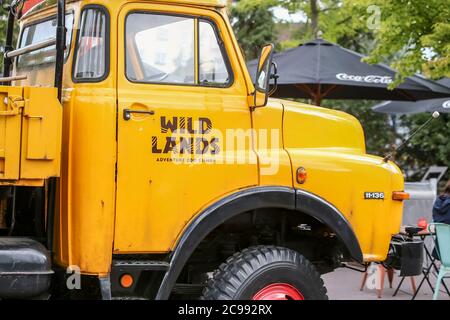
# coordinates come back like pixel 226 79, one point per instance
pixel 343 178
pixel 253 199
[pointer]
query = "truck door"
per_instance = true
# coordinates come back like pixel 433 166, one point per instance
pixel 180 88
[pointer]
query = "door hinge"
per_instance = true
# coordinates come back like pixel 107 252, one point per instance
pixel 14 104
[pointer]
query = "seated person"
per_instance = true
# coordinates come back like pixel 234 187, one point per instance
pixel 441 211
pixel 441 207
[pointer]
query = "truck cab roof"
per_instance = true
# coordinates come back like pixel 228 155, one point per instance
pixel 33 6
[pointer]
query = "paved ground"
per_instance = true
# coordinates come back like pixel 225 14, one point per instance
pixel 344 284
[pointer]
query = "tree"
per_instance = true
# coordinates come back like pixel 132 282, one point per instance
pixel 3 26
pixel 338 22
pixel 412 35
pixel 312 9
pixel 343 24
pixel 323 17
pixel 430 147
pixel 4 13
pixel 253 24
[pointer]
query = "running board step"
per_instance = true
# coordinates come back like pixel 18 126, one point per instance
pixel 129 298
pixel 140 265
pixel 188 289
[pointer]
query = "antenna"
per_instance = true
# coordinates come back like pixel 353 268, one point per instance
pixel 388 157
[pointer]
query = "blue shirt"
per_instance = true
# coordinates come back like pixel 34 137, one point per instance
pixel 441 209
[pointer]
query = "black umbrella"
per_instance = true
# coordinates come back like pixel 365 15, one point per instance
pixel 320 69
pixel 405 107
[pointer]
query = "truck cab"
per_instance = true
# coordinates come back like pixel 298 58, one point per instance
pixel 157 169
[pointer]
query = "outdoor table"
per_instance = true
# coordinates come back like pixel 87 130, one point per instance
pixel 430 264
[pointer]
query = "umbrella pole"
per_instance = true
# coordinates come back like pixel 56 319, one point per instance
pixel 318 96
pixel 317 100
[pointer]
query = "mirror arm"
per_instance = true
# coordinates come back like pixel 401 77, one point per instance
pixel 275 77
pixel 254 93
pixel 263 73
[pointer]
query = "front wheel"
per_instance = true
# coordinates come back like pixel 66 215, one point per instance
pixel 265 273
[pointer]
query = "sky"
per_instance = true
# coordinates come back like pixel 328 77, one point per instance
pixel 283 14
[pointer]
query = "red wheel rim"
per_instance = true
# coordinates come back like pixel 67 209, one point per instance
pixel 278 291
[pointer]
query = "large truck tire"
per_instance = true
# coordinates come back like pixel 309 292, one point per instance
pixel 266 273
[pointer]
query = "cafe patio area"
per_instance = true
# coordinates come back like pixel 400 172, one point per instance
pixel 344 284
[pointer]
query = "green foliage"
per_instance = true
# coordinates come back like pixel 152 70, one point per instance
pixel 3 25
pixel 345 25
pixel 286 44
pixel 312 17
pixel 413 35
pixel 430 147
pixel 288 35
pixel 253 24
pixel 338 21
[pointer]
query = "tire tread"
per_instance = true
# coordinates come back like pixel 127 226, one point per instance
pixel 233 272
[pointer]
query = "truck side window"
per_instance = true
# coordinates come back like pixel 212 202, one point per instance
pixel 91 60
pixel 160 48
pixel 41 31
pixel 212 66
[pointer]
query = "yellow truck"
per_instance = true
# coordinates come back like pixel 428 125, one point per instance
pixel 137 154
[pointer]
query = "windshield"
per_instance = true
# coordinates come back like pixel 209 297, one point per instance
pixel 38 32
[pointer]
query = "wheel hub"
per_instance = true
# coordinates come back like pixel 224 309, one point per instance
pixel 278 291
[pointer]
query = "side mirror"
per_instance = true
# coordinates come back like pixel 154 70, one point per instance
pixel 263 76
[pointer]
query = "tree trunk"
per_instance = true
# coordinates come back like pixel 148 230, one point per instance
pixel 314 18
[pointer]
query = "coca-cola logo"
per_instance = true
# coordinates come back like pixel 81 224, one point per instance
pixel 367 78
pixel 446 104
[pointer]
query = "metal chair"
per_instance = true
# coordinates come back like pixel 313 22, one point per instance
pixel 442 243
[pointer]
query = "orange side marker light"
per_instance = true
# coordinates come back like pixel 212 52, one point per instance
pixel 400 195
pixel 126 280
pixel 302 175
